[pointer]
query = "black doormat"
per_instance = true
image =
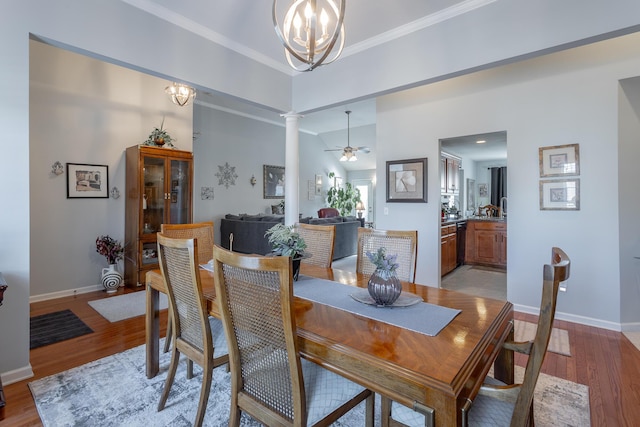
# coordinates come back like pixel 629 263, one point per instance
pixel 55 327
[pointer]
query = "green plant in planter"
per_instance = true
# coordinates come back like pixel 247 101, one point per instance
pixel 159 137
pixel 285 241
pixel 343 199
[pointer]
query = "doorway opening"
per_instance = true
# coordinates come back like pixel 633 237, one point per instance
pixel 465 173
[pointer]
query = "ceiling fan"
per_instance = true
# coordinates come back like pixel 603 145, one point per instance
pixel 349 152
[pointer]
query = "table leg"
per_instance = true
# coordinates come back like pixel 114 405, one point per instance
pixel 504 364
pixel 152 335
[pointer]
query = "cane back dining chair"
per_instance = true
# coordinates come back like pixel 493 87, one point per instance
pixel 203 231
pixel 200 338
pixel 397 242
pixel 269 379
pixel 498 404
pixel 320 240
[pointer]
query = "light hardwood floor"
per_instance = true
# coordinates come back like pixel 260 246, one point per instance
pixel 604 360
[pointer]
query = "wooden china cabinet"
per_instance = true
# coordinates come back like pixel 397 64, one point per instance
pixel 159 191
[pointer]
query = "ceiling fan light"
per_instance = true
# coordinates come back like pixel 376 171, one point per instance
pixel 353 158
pixel 344 157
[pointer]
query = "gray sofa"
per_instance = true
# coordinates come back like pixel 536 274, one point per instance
pixel 248 233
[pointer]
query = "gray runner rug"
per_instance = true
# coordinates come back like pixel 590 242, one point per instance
pixel 114 391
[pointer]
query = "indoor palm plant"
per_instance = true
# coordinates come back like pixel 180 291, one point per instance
pixel 343 199
pixel 384 286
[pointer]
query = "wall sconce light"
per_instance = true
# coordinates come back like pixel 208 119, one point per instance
pixel 115 193
pixel 57 168
pixel 180 94
pixel 253 180
pixel 318 179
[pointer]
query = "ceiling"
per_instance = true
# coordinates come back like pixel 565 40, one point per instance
pixel 246 27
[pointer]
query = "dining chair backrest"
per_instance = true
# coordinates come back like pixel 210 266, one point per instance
pixel 178 260
pixel 256 304
pixel 191 331
pixel 553 274
pixel 402 243
pixel 320 240
pixel 203 231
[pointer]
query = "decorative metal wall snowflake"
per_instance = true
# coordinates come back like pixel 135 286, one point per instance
pixel 226 175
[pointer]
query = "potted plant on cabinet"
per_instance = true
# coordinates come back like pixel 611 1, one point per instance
pixel 285 241
pixel 344 199
pixel 159 137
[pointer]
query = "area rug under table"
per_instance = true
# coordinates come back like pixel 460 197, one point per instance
pixel 54 327
pixel 114 391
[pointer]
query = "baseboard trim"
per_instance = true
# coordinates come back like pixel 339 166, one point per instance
pixel 589 321
pixel 65 293
pixel 16 375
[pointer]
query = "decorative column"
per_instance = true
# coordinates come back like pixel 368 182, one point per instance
pixel 291 168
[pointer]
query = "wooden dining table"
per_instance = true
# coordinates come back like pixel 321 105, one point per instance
pixel 437 375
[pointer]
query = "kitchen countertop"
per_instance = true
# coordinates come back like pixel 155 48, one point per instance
pixel 451 221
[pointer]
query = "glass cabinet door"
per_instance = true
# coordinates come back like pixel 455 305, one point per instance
pixel 180 193
pixel 153 203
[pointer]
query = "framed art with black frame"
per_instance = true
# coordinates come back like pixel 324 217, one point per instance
pixel 87 181
pixel 407 181
pixel 273 182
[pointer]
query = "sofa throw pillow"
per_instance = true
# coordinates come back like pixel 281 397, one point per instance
pixel 232 216
pixel 273 218
pixel 349 218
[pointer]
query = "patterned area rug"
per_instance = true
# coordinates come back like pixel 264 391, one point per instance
pixel 120 307
pixel 559 342
pixel 114 391
pixel 51 328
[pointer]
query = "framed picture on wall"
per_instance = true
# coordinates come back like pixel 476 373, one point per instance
pixel 273 182
pixel 87 181
pixel 560 194
pixel 559 160
pixel 407 181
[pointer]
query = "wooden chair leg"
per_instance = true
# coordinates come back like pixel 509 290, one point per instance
pixel 204 395
pixel 167 341
pixel 189 369
pixel 370 410
pixel 175 358
pixel 385 410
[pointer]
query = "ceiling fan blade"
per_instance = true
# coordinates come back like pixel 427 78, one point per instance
pixel 335 149
pixel 363 149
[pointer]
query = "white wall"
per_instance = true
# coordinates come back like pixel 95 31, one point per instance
pixel 558 99
pixel 628 198
pixel 83 110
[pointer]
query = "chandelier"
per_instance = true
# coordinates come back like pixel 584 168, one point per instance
pixel 310 30
pixel 180 94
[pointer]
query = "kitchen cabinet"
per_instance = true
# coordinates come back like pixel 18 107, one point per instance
pixel 448 249
pixel 486 243
pixel 159 187
pixel 449 174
